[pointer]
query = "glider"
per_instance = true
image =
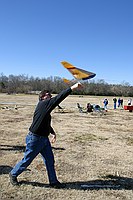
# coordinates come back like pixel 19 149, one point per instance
pixel 78 73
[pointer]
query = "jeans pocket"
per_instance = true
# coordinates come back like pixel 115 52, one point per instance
pixel 35 138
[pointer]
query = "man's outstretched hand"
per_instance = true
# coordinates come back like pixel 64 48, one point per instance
pixel 76 86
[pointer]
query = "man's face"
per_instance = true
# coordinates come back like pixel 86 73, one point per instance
pixel 47 96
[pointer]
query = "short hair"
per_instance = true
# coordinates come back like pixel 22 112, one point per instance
pixel 42 94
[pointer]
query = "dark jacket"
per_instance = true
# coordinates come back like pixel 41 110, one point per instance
pixel 41 124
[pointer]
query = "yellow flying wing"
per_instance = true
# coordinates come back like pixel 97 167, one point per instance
pixel 77 72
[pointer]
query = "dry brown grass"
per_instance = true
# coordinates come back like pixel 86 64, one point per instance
pixel 90 149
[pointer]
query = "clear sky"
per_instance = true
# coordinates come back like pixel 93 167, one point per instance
pixel 96 35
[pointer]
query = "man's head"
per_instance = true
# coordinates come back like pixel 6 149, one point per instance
pixel 44 94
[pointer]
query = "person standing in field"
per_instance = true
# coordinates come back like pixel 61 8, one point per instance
pixel 105 102
pixel 119 102
pixel 129 102
pixel 114 100
pixel 37 140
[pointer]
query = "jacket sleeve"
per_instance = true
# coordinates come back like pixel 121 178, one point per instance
pixel 59 98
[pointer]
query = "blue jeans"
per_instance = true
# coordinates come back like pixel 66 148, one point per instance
pixel 36 144
pixel 105 107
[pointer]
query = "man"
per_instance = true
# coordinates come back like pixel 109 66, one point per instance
pixel 37 140
pixel 105 104
pixel 115 101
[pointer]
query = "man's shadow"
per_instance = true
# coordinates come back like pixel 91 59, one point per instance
pixel 110 182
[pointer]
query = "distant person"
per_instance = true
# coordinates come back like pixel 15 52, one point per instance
pixel 59 107
pixel 89 107
pixel 105 102
pixel 37 140
pixel 115 101
pixel 80 108
pixel 129 102
pixel 119 102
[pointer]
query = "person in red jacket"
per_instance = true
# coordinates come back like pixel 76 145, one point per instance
pixel 37 140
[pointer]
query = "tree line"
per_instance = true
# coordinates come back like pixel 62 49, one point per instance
pixel 28 85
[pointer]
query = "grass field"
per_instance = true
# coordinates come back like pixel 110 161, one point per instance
pixel 91 149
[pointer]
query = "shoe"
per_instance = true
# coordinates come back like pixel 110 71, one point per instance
pixel 13 179
pixel 57 185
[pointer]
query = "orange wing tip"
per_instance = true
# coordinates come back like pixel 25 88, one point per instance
pixel 66 80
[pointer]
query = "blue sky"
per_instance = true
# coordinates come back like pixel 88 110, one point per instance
pixel 96 35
